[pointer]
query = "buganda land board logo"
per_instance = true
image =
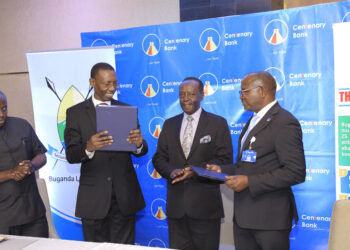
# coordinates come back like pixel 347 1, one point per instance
pixel 278 75
pixel 156 243
pixel 210 40
pixel 155 126
pixel 149 86
pixel 210 82
pixel 276 32
pixel 151 171
pixel 151 44
pixel 158 209
pixel 70 98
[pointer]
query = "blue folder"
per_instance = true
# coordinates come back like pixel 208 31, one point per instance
pixel 118 120
pixel 203 172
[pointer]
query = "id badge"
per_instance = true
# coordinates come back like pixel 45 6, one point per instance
pixel 249 156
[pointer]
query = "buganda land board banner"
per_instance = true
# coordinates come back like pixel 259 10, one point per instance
pixel 294 45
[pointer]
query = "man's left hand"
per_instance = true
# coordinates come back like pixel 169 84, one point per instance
pixel 135 137
pixel 237 182
pixel 187 173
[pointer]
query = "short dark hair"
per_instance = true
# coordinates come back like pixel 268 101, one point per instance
pixel 3 96
pixel 98 66
pixel 200 83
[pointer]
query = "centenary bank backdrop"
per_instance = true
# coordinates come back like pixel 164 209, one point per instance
pixel 294 45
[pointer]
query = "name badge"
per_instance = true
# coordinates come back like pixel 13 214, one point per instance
pixel 249 156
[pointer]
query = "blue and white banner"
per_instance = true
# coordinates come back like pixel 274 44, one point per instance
pixel 342 108
pixel 294 45
pixel 59 80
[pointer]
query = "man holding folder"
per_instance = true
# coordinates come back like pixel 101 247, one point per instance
pixel 109 193
pixel 194 137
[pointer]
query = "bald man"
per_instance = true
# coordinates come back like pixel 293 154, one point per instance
pixel 270 160
pixel 22 211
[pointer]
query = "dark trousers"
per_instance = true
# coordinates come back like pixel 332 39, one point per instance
pixel 260 239
pixel 194 234
pixel 35 228
pixel 115 227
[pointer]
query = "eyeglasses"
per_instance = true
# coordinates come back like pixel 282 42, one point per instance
pixel 244 91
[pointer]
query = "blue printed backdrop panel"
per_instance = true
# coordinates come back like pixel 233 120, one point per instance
pixel 294 45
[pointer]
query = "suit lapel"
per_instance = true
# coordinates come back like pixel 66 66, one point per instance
pixel 91 112
pixel 177 133
pixel 264 121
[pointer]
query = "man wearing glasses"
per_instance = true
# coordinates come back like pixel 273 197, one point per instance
pixel 270 160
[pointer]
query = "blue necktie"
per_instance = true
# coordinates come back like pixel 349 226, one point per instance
pixel 251 126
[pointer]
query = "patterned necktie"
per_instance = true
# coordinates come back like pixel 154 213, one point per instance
pixel 187 139
pixel 251 126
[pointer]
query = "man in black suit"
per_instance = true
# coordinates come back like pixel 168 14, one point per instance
pixel 195 137
pixel 22 212
pixel 109 193
pixel 270 161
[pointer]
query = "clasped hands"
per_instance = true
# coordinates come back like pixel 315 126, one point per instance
pixel 21 170
pixel 102 139
pixel 236 182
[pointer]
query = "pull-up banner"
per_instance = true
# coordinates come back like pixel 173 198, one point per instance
pixel 294 45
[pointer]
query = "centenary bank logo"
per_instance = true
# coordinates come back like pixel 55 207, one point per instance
pixel 210 82
pixel 276 32
pixel 149 86
pixel 156 243
pixel 209 40
pixel 155 126
pixel 151 44
pixel 151 171
pixel 346 17
pixel 158 208
pixel 99 43
pixel 278 75
pixel 70 98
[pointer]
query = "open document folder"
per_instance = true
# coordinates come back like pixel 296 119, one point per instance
pixel 118 121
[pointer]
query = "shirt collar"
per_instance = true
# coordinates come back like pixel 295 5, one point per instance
pixel 97 102
pixel 265 109
pixel 195 115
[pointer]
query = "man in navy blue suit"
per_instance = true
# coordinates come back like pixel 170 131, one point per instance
pixel 270 160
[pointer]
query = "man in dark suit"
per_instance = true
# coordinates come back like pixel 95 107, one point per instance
pixel 22 212
pixel 109 193
pixel 271 160
pixel 195 137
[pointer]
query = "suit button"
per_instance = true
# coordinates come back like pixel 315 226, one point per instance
pixel 109 178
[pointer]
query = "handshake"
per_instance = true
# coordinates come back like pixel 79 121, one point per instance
pixel 21 170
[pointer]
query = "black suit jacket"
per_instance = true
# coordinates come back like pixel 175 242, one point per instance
pixel 105 170
pixel 196 197
pixel 268 203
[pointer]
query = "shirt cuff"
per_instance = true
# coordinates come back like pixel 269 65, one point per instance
pixel 138 151
pixel 90 154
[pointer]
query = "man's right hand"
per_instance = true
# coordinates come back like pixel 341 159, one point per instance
pixel 213 167
pixel 98 141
